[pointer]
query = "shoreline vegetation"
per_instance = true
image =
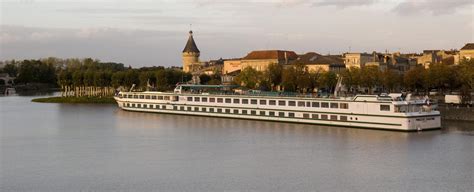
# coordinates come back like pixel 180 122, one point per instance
pixel 77 100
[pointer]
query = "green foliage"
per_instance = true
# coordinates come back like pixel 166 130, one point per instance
pixel 11 69
pixel 249 78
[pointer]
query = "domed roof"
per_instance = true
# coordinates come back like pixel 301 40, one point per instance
pixel 191 45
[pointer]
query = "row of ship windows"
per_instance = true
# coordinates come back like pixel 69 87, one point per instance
pixel 270 102
pixel 242 112
pixel 247 101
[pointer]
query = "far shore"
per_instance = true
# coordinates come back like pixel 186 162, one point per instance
pixel 77 100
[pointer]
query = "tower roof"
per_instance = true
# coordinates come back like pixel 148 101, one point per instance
pixel 191 45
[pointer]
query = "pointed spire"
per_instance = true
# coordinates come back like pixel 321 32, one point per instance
pixel 191 45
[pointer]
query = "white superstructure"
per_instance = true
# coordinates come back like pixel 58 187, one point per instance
pixel 363 111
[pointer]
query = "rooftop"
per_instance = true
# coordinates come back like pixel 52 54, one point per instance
pixel 468 46
pixel 271 54
pixel 191 45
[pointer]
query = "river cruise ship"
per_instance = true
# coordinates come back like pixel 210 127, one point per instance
pixel 361 111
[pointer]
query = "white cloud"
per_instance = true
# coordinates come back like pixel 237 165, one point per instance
pixel 435 7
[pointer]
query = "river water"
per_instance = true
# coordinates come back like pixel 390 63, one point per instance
pixel 81 147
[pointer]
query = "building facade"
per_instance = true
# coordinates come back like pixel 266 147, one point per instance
pixel 467 52
pixel 260 60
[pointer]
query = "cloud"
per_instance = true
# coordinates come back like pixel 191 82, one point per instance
pixel 109 10
pixel 345 3
pixel 436 7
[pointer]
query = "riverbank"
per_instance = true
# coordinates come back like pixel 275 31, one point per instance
pixel 456 113
pixel 90 100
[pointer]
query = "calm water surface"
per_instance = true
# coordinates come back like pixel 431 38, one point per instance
pixel 71 147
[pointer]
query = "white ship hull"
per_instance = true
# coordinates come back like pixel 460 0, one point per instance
pixel 347 114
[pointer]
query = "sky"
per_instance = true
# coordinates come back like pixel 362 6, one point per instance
pixel 151 33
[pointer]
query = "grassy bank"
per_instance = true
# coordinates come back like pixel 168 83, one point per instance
pixel 92 100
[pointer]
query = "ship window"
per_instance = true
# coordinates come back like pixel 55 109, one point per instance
pixel 130 96
pixel 291 103
pixel 204 99
pixel 315 116
pixel 384 107
pixel 281 102
pixel 253 112
pixel 271 113
pixel 245 101
pixel 190 99
pixel 306 115
pixel 142 96
pixel 145 106
pixel 262 113
pixel 315 104
pixel 300 103
pixel 308 104
pixel 189 108
pixel 157 106
pixel 228 100
pixel 163 106
pixel 236 111
pixel 334 105
pixel 139 105
pixel 211 110
pixel 343 118
pixel 175 107
pixel 237 101
pixel 161 97
pixel 220 100
pixel 181 108
pixel 324 105
pixel 147 97
pixel 281 114
pixel 227 110
pixel 197 99
pixel 344 106
pixel 291 114
pixel 153 97
pixel 203 109
pixel 196 108
pixel 263 102
pixel 167 98
pixel 212 99
pixel 334 117
pixel 135 96
pixel 244 112
pixel 219 110
pixel 324 117
pixel 272 102
pixel 133 105
pixel 253 101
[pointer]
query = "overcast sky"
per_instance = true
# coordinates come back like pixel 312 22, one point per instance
pixel 147 33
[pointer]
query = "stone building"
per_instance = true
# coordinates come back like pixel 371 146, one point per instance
pixel 467 52
pixel 260 60
pixel 315 62
pixel 437 56
pixel 357 59
pixel 232 65
pixel 191 55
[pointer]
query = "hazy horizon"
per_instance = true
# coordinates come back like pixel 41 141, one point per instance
pixel 148 33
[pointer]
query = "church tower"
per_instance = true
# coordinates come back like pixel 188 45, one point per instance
pixel 190 54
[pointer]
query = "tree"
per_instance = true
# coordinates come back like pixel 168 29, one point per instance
pixel 370 77
pixel 249 77
pixel 415 79
pixel 289 79
pixel 11 69
pixel 390 79
pixel 273 75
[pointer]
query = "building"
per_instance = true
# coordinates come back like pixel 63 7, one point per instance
pixel 231 65
pixel 191 55
pixel 437 56
pixel 315 62
pixel 357 59
pixel 467 52
pixel 260 60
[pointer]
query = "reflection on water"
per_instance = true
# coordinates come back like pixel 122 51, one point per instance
pixel 63 147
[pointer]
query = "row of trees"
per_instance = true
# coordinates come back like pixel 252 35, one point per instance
pixel 292 79
pixel 297 78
